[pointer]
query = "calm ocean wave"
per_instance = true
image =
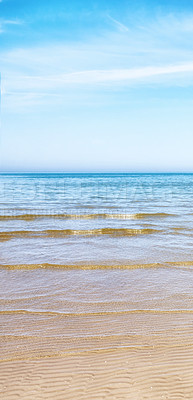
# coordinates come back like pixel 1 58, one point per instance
pixel 95 218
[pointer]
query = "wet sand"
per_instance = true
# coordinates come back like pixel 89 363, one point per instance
pixel 152 373
pixel 118 334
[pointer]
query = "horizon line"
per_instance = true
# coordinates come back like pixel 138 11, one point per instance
pixel 91 172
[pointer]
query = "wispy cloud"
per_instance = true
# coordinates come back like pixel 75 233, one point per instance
pixel 118 24
pixel 11 22
pixel 95 77
pixel 21 92
pixel 6 22
pixel 119 75
pixel 173 24
pixel 149 55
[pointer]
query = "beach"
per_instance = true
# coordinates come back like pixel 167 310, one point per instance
pixel 96 286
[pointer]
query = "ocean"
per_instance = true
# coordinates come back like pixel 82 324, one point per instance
pixel 95 218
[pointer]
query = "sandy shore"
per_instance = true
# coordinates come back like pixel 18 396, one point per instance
pixel 152 373
pixel 94 356
pixel 98 334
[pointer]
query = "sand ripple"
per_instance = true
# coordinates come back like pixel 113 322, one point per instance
pixel 102 334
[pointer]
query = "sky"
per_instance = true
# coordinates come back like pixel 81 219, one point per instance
pixel 96 86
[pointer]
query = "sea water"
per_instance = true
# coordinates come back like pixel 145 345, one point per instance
pixel 103 219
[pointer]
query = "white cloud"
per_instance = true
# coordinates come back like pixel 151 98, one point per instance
pixel 87 87
pixel 11 22
pixel 173 24
pixel 118 24
pixel 118 75
pixel 19 83
pixel 5 22
pixel 151 55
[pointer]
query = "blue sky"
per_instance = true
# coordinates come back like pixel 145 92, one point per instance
pixel 96 85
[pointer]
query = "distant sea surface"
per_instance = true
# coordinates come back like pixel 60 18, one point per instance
pixel 94 263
